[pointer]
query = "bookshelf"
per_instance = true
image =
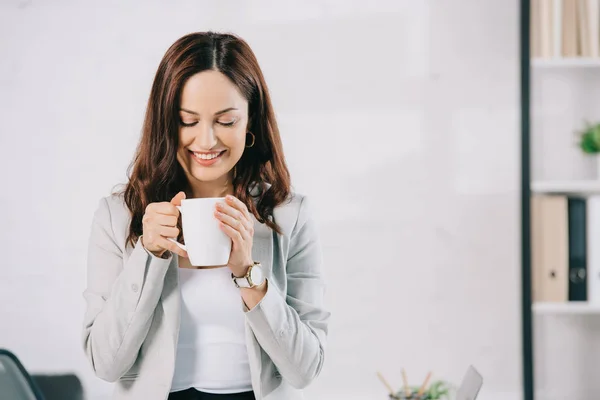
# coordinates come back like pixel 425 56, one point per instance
pixel 560 93
pixel 580 187
pixel 573 308
pixel 566 62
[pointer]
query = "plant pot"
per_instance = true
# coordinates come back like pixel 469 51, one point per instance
pixel 412 396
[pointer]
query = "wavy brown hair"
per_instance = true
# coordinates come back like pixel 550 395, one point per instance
pixel 155 175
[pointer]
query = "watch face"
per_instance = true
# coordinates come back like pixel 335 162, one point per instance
pixel 257 275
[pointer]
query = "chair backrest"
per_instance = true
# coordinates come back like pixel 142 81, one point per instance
pixel 59 386
pixel 15 381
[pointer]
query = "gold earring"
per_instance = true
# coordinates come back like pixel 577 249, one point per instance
pixel 253 139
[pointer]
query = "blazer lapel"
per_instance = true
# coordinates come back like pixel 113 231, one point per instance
pixel 171 299
pixel 262 246
pixel 262 243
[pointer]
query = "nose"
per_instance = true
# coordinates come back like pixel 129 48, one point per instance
pixel 205 137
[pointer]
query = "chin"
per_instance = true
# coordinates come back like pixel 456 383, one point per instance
pixel 203 174
pixel 208 176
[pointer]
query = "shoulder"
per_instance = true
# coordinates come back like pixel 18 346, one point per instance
pixel 114 205
pixel 114 216
pixel 293 213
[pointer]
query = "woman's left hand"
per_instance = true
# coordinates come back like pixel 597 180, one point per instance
pixel 235 220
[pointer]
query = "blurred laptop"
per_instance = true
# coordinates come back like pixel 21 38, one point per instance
pixel 470 386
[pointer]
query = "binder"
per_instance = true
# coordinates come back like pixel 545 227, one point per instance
pixel 593 248
pixel 577 249
pixel 550 257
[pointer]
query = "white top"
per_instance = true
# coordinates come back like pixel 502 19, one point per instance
pixel 211 353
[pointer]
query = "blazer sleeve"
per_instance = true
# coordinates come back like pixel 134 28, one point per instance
pixel 292 330
pixel 120 298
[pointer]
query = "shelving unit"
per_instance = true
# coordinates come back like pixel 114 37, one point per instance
pixel 558 94
pixel 573 308
pixel 526 303
pixel 583 187
pixel 572 62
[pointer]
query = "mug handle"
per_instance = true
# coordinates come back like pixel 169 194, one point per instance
pixel 181 246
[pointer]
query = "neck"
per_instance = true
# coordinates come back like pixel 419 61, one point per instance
pixel 218 188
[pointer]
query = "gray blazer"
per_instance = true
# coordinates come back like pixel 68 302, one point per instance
pixel 132 316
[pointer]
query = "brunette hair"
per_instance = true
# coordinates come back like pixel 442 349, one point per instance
pixel 155 174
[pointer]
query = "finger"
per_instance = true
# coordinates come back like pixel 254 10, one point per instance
pixel 176 201
pixel 172 247
pixel 234 223
pixel 234 234
pixel 167 231
pixel 231 211
pixel 237 203
pixel 164 207
pixel 160 219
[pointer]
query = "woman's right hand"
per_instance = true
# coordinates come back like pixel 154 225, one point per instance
pixel 159 223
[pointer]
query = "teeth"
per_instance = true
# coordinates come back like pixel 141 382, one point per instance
pixel 206 156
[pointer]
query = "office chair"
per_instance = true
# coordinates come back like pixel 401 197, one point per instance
pixel 15 381
pixel 59 386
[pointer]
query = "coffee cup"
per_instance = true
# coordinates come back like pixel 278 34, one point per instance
pixel 205 243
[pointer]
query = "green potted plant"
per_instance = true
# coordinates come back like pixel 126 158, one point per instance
pixel 589 142
pixel 589 138
pixel 438 390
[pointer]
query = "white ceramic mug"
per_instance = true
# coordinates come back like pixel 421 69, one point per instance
pixel 205 243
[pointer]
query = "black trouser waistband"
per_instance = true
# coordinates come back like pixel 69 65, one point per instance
pixel 193 394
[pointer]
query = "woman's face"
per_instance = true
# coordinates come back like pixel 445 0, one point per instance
pixel 212 132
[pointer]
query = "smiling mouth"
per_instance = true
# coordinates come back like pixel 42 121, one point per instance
pixel 206 158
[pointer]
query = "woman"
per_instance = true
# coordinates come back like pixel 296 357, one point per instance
pixel 164 330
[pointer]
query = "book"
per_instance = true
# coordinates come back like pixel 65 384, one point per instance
pixel 565 28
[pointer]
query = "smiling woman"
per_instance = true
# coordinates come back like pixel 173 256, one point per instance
pixel 209 96
pixel 161 328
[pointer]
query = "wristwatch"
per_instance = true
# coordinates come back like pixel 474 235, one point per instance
pixel 254 277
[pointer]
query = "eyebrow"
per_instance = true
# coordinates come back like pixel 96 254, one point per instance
pixel 217 113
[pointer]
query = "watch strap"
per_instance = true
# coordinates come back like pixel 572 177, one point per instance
pixel 245 281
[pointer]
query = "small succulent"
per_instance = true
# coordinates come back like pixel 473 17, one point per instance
pixel 438 390
pixel 589 138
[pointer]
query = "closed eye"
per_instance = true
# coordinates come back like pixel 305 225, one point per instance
pixel 226 124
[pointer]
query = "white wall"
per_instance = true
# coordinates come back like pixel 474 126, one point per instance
pixel 399 117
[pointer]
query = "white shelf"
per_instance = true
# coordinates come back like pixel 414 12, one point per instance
pixel 574 62
pixel 575 307
pixel 566 187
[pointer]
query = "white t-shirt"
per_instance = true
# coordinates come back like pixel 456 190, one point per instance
pixel 211 353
